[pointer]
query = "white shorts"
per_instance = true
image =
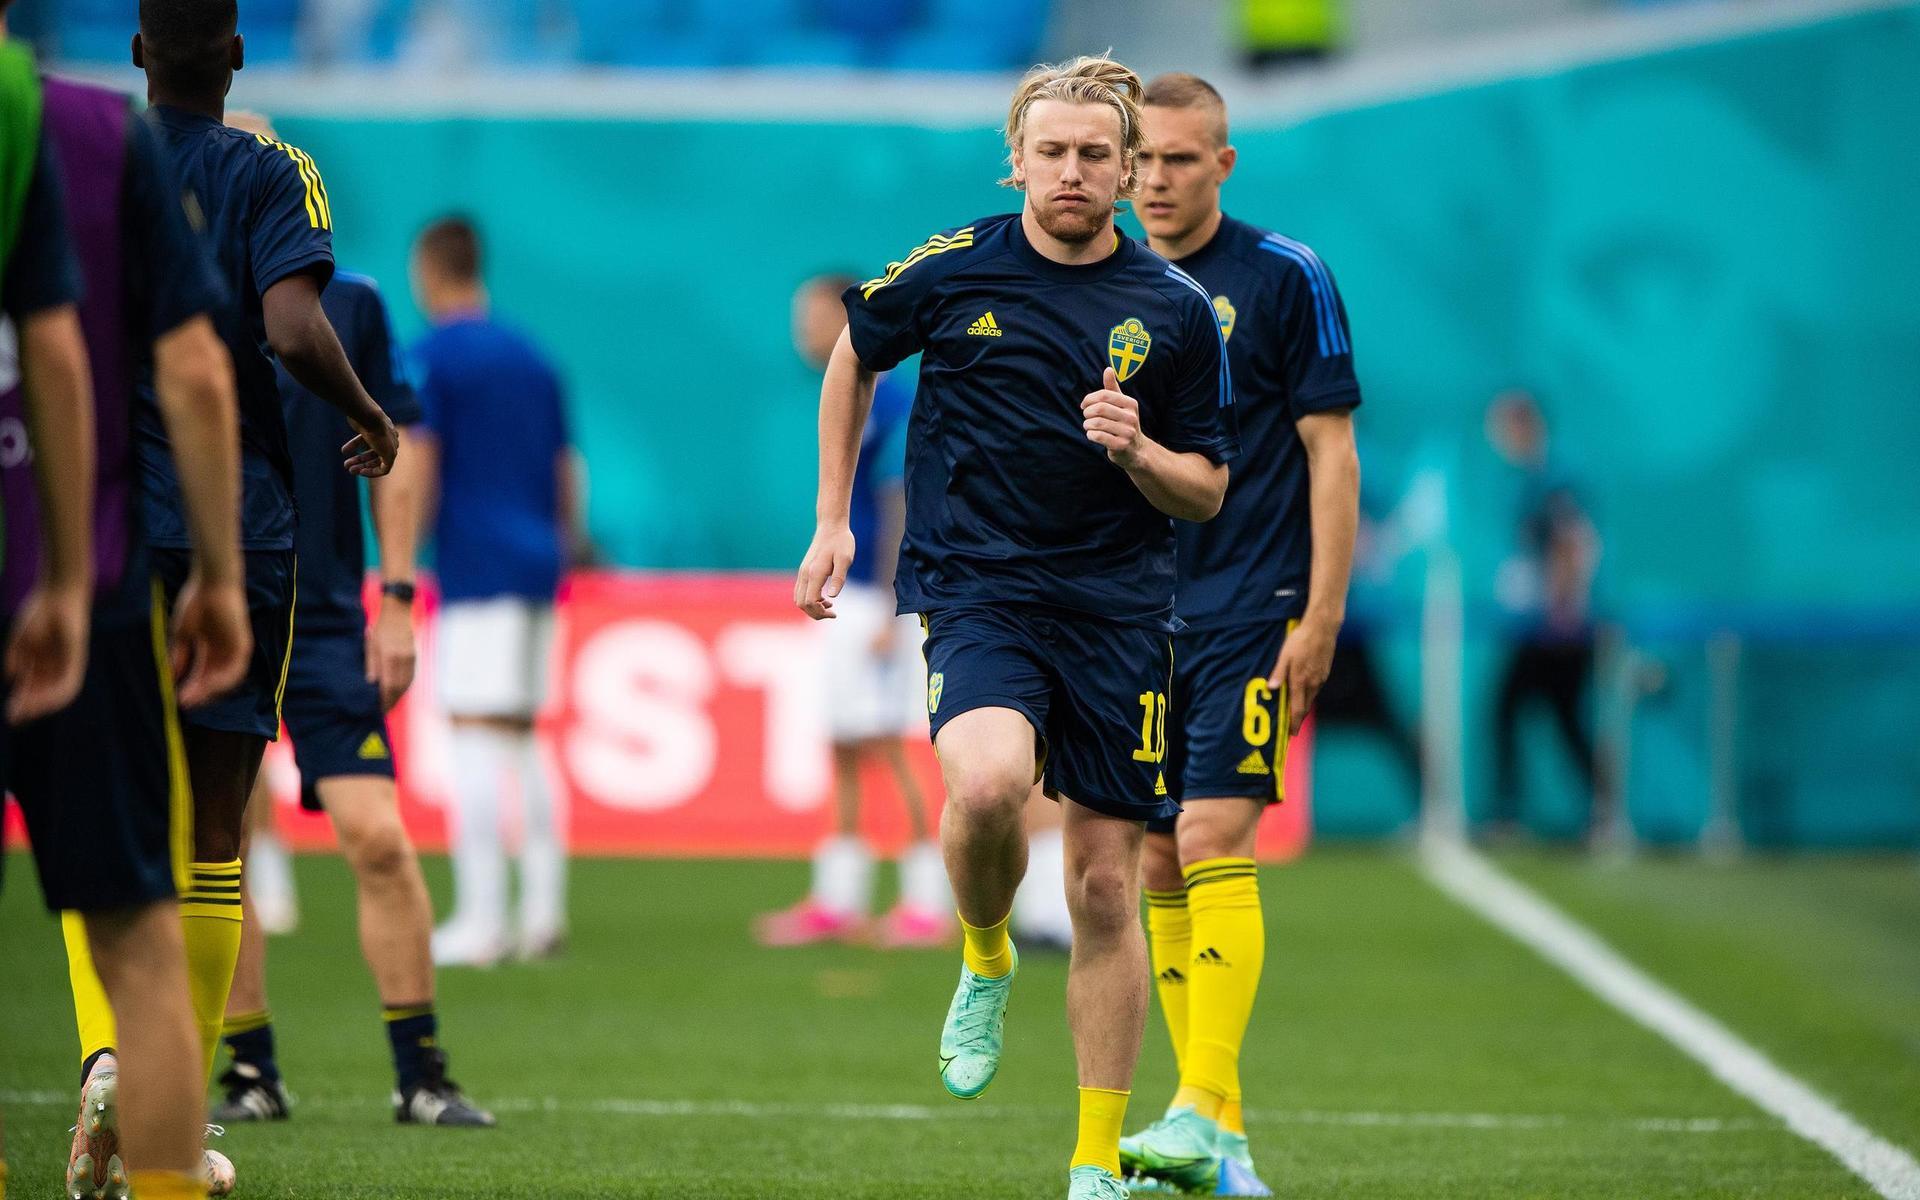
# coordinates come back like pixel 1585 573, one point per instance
pixel 872 694
pixel 493 656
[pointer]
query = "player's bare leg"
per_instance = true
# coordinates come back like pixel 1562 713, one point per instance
pixel 1107 979
pixel 149 1114
pixel 987 757
pixel 396 913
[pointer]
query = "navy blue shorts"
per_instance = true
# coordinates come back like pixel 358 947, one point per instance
pixel 333 714
pixel 1228 737
pixel 1095 692
pixel 254 706
pixel 103 782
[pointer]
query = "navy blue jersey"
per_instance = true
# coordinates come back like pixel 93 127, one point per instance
pixel 265 212
pixel 1287 339
pixel 496 408
pixel 330 543
pixel 1007 500
pixel 42 272
pixel 881 464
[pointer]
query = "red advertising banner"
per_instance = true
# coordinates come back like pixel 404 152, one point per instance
pixel 685 720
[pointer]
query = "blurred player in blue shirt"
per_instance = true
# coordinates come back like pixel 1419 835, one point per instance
pixel 341 681
pixel 1074 396
pixel 1262 594
pixel 872 678
pixel 506 522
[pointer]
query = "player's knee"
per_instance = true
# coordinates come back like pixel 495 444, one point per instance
pixel 988 790
pixel 380 849
pixel 1102 896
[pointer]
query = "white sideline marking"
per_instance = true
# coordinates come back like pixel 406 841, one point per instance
pixel 1513 907
pixel 617 1106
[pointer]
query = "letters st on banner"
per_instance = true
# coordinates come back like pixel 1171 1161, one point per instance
pixel 685 719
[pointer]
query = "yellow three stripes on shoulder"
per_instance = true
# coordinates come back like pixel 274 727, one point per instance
pixel 936 244
pixel 319 209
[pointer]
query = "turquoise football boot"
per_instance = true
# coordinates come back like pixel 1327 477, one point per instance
pixel 976 1025
pixel 1179 1149
pixel 1094 1183
pixel 1237 1176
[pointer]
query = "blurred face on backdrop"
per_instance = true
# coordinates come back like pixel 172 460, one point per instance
pixel 1070 164
pixel 1185 161
pixel 818 319
pixel 1517 429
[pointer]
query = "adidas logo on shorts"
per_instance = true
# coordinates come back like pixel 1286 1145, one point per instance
pixel 1253 764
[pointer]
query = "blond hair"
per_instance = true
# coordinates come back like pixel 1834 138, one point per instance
pixel 1177 89
pixel 1088 79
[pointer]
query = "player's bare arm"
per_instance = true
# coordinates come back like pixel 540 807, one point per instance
pixel 303 339
pixel 1333 498
pixel 193 385
pixel 846 397
pixel 1186 486
pixel 47 655
pixel 395 501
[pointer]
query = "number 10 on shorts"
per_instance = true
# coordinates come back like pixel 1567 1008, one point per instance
pixel 1153 728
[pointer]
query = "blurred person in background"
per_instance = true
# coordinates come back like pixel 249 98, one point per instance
pixel 872 679
pixel 505 491
pixel 1262 594
pixel 341 681
pixel 1545 592
pixel 1275 34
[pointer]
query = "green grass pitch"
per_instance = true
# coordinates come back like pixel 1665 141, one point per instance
pixel 1401 1048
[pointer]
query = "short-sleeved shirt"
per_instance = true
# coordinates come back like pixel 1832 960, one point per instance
pixel 42 272
pixel 1292 355
pixel 880 467
pixel 496 409
pixel 330 542
pixel 265 212
pixel 1007 499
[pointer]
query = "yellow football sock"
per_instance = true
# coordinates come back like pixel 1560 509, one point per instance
pixel 1231 1118
pixel 1170 934
pixel 210 919
pixel 167 1185
pixel 3 1181
pixel 1229 946
pixel 988 951
pixel 90 1007
pixel 1102 1112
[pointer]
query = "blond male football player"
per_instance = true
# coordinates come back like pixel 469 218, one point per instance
pixel 1262 592
pixel 1073 399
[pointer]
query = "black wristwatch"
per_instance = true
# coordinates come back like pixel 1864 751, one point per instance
pixel 399 589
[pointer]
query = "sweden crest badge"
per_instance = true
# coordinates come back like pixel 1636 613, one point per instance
pixel 1128 346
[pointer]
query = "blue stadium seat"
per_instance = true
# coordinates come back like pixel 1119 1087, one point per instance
pixel 952 38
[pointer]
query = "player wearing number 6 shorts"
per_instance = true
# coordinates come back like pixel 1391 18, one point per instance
pixel 1262 590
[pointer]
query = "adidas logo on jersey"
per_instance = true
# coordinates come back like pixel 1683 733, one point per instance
pixel 1253 764
pixel 986 326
